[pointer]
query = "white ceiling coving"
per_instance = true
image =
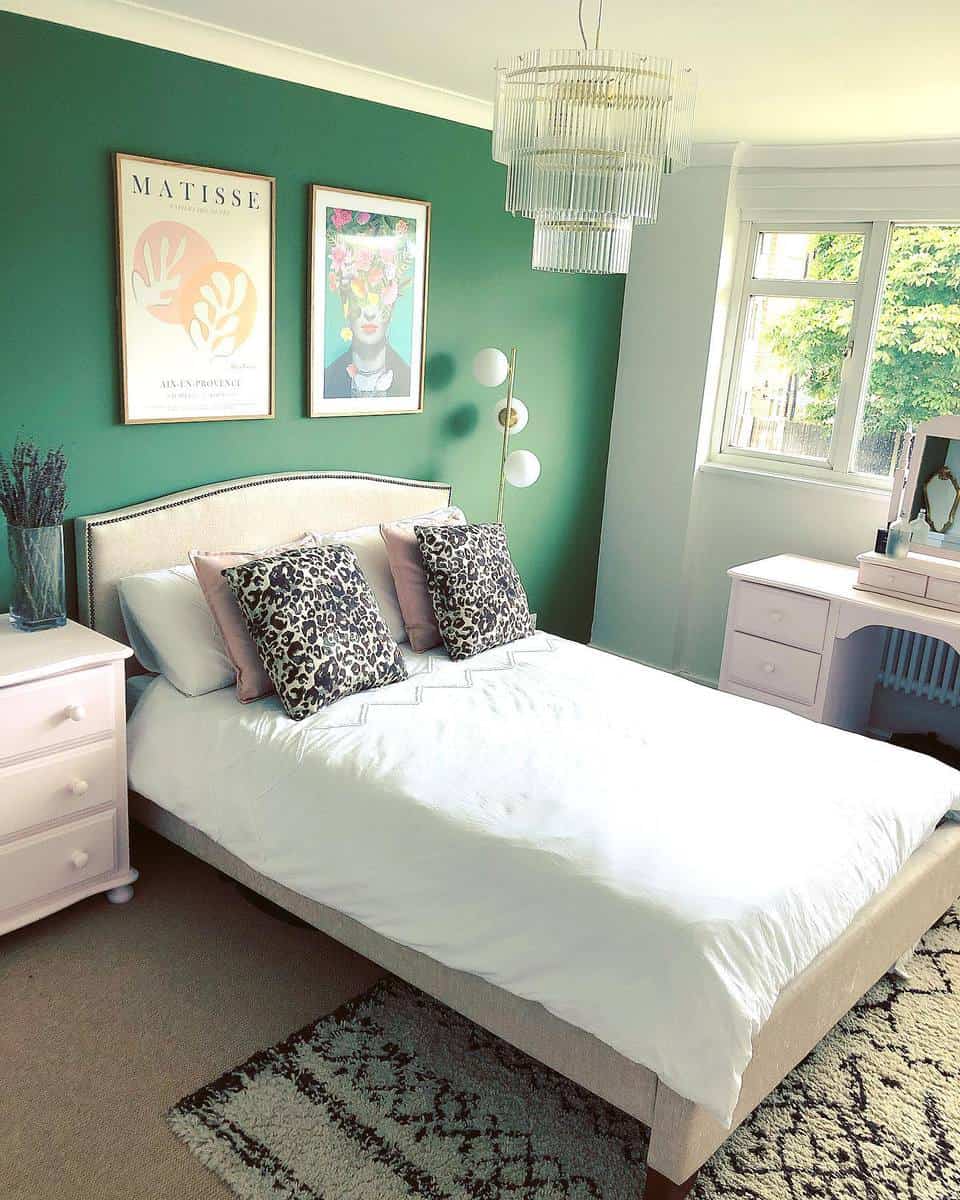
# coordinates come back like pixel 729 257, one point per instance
pixel 820 71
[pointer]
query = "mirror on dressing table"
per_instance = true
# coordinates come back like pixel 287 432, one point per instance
pixel 941 493
pixel 926 498
pixel 809 636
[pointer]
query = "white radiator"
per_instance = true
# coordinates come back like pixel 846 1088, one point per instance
pixel 921 666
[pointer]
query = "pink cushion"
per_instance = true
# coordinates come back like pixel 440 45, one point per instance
pixel 252 678
pixel 406 565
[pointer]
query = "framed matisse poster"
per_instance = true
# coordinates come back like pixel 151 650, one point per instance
pixel 195 257
pixel 368 303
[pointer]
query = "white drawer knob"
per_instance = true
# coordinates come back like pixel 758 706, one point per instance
pixel 891 578
pixel 79 787
pixel 76 712
pixel 769 668
pixel 776 616
pixel 79 858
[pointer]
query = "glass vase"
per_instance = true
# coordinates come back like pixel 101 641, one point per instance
pixel 39 581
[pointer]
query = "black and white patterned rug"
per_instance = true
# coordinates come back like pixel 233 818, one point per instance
pixel 395 1096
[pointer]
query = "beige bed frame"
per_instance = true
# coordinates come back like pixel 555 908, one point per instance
pixel 267 509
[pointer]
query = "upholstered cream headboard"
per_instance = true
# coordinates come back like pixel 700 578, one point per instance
pixel 238 514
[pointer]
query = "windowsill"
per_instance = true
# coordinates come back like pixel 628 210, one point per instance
pixel 712 467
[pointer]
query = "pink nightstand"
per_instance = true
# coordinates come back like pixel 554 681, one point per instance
pixel 63 771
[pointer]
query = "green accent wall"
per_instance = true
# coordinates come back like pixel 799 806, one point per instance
pixel 74 97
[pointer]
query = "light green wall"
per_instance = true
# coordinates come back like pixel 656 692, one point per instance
pixel 73 97
pixel 667 317
pixel 671 531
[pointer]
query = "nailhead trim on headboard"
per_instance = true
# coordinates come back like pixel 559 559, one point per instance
pixel 238 487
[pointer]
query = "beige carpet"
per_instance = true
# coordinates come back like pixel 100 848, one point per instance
pixel 108 1015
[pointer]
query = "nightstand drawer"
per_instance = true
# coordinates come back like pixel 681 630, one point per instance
pixel 53 712
pixel 788 617
pixel 770 667
pixel 58 786
pixel 50 862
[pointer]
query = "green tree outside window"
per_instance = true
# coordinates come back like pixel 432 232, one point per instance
pixel 915 369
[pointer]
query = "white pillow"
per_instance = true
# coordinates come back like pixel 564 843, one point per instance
pixel 172 631
pixel 367 544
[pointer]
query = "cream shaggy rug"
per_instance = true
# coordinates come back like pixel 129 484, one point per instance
pixel 395 1096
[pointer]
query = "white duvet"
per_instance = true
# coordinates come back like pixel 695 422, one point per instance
pixel 651 860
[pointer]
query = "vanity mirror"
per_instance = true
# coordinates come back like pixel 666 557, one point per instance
pixel 926 484
pixel 932 484
pixel 942 495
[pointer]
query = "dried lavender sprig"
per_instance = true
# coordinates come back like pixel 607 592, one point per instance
pixel 32 490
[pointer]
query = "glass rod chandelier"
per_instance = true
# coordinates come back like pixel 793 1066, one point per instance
pixel 586 136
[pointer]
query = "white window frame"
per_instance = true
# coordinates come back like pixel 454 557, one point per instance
pixel 867 296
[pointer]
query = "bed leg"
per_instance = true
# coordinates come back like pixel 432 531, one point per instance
pixel 659 1187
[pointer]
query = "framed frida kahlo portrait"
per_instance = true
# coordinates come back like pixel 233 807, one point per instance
pixel 195 259
pixel 368 303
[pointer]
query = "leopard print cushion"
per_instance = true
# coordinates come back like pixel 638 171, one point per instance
pixel 316 625
pixel 478 599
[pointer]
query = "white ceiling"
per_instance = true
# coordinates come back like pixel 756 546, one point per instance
pixel 807 71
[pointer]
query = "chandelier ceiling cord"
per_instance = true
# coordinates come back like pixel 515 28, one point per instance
pixel 586 136
pixel 583 36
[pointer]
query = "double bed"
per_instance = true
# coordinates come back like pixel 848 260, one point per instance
pixel 568 848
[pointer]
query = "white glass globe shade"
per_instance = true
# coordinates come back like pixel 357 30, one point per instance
pixel 518 411
pixel 522 468
pixel 490 367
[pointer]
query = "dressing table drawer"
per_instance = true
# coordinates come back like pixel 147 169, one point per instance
pixel 773 668
pixel 893 579
pixel 944 591
pixel 788 617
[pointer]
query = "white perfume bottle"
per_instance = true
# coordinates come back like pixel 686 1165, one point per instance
pixel 898 538
pixel 920 529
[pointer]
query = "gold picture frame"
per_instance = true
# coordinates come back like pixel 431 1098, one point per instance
pixel 395 266
pixel 192 296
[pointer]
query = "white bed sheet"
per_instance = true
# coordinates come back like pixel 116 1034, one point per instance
pixel 649 859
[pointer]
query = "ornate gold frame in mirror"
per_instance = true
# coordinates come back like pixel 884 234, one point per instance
pixel 943 473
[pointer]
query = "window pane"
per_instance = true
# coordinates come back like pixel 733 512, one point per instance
pixel 789 380
pixel 833 256
pixel 915 370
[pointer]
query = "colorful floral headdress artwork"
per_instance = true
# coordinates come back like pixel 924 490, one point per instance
pixel 377 272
